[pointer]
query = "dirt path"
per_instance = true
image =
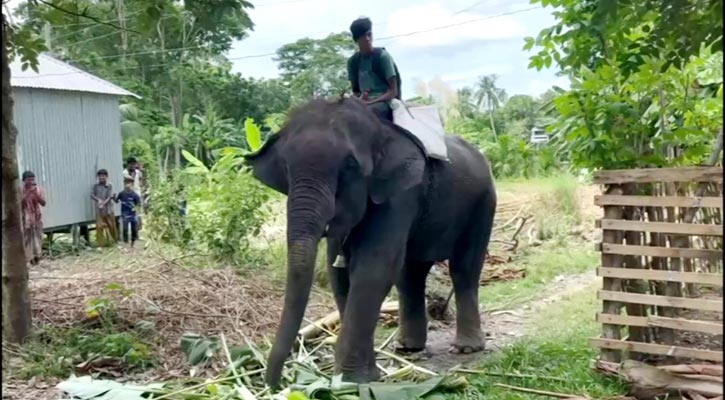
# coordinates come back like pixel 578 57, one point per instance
pixel 501 326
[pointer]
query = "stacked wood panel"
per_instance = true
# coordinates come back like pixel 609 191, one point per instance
pixel 661 263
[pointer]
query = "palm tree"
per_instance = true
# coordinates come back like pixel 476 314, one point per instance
pixel 489 97
pixel 465 102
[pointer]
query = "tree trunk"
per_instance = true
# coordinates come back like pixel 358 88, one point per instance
pixel 493 125
pixel 16 304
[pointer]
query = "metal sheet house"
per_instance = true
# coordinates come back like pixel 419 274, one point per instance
pixel 68 127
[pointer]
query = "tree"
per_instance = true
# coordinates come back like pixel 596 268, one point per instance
pixel 17 322
pixel 489 97
pixel 316 67
pixel 589 33
pixel 646 89
pixel 520 113
pixel 464 105
pixel 171 53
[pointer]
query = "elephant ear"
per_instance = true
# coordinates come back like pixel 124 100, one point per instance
pixel 267 165
pixel 398 166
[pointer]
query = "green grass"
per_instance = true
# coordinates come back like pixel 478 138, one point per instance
pixel 555 355
pixel 56 351
pixel 511 187
pixel 543 264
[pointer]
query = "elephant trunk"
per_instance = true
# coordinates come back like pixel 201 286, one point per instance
pixel 310 206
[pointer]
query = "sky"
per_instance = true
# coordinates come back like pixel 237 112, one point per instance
pixel 462 39
pixel 474 38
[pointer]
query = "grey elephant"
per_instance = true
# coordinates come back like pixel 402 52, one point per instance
pixel 368 187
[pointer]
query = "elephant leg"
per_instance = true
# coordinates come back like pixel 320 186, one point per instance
pixel 413 316
pixel 339 276
pixel 465 270
pixel 376 256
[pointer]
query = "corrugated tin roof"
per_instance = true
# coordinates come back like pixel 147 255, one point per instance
pixel 56 75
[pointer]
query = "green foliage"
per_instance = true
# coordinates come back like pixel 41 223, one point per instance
pixel 197 348
pixel 166 202
pixel 103 339
pixel 645 80
pixel 510 154
pixel 316 67
pixel 254 134
pixel 592 33
pixel 172 55
pixel 22 42
pixel 612 120
pixel 224 203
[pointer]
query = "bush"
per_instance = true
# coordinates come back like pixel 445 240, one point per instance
pixel 512 157
pixel 167 203
pixel 223 207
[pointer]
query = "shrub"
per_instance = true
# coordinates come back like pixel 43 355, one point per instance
pixel 223 206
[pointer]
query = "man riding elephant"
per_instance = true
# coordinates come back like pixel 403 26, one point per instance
pixel 372 72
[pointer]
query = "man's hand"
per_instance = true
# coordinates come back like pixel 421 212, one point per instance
pixel 364 95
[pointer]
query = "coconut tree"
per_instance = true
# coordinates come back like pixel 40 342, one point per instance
pixel 489 97
pixel 465 102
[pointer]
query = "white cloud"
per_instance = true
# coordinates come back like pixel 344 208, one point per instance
pixel 539 86
pixel 467 75
pixel 465 26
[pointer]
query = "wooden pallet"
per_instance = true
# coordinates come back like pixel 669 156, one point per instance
pixel 616 277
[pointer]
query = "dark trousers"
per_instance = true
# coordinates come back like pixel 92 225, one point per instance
pixel 126 222
pixel 382 110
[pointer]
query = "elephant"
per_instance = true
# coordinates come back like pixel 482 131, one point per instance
pixel 368 188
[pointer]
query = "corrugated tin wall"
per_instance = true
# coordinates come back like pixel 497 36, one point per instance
pixel 64 138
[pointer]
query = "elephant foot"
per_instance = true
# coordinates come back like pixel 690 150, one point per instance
pixel 361 376
pixel 468 346
pixel 405 350
pixel 409 346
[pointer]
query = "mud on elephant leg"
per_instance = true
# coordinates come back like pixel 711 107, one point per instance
pixel 413 317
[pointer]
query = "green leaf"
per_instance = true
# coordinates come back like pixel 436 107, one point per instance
pixel 254 134
pixel 197 348
pixel 193 160
pixel 133 129
pixel 529 43
pixel 297 395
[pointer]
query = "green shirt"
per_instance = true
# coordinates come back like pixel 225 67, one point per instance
pixel 368 79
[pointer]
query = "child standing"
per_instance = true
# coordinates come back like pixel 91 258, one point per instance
pixel 129 201
pixel 102 194
pixel 33 200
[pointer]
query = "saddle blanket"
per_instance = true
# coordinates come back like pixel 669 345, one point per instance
pixel 425 123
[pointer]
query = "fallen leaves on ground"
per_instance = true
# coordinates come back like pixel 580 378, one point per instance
pixel 696 381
